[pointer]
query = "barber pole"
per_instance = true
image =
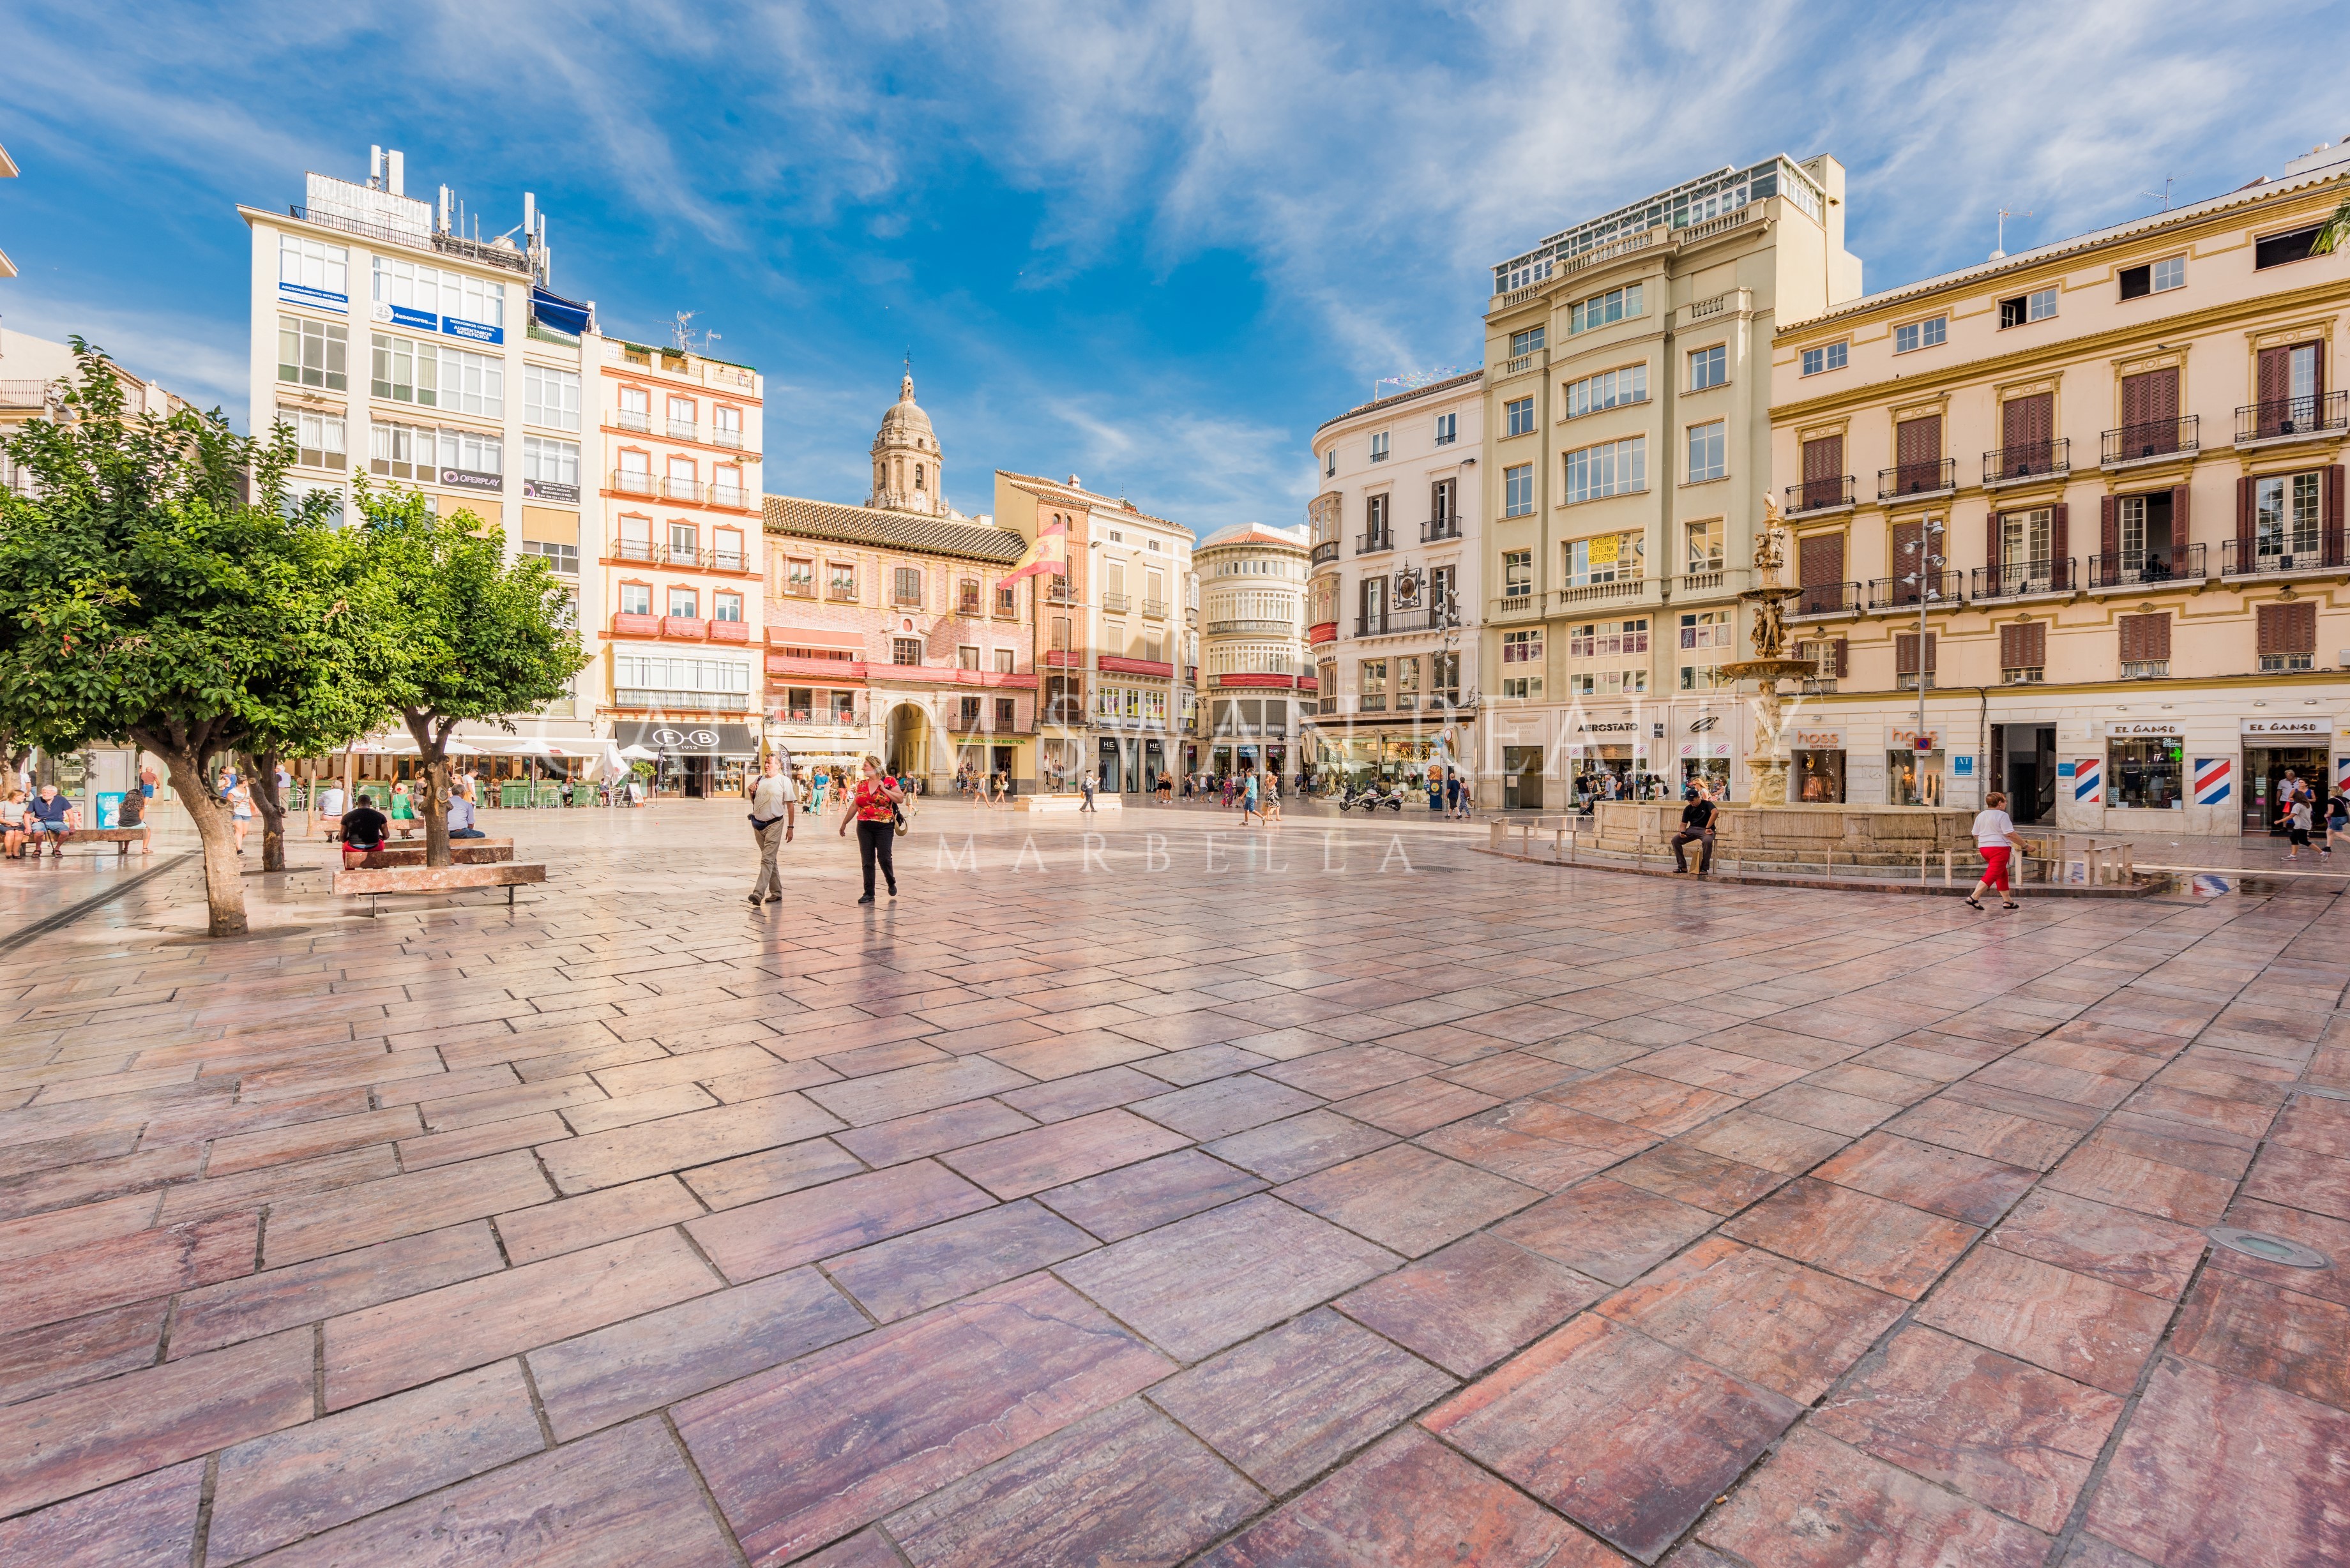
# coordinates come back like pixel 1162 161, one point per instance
pixel 2214 778
pixel 2090 782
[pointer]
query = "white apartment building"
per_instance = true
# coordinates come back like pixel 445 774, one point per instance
pixel 387 340
pixel 1397 583
pixel 1256 681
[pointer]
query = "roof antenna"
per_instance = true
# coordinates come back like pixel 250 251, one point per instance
pixel 2005 214
pixel 2162 195
pixel 681 331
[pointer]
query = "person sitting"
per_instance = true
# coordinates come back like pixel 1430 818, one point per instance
pixel 460 812
pixel 132 812
pixel 12 825
pixel 403 805
pixel 364 830
pixel 50 817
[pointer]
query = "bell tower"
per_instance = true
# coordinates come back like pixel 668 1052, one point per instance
pixel 908 472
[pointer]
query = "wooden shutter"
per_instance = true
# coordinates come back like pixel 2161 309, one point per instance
pixel 2178 534
pixel 1843 656
pixel 2247 500
pixel 2144 637
pixel 2273 376
pixel 1905 653
pixel 2150 411
pixel 2289 628
pixel 1819 568
pixel 2024 647
pixel 1991 545
pixel 2109 537
pixel 2060 559
pixel 2329 513
pixel 1906 560
pixel 1822 471
pixel 1917 454
pixel 2026 426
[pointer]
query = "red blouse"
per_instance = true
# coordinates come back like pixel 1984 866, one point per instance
pixel 872 804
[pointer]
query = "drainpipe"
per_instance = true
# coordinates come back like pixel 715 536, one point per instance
pixel 1983 746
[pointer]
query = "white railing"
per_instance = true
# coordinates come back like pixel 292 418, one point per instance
pixel 1595 593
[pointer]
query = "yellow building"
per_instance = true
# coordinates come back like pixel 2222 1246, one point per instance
pixel 2089 497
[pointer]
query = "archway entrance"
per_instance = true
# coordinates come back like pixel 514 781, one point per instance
pixel 908 741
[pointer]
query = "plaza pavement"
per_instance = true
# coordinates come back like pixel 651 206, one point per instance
pixel 1285 1199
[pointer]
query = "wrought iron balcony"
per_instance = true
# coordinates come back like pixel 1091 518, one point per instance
pixel 1116 604
pixel 1819 495
pixel 633 419
pixel 2149 440
pixel 2018 579
pixel 2133 568
pixel 1372 542
pixel 1155 608
pixel 634 482
pixel 681 489
pixel 721 436
pixel 634 550
pixel 1825 598
pixel 1326 551
pixel 2314 551
pixel 683 430
pixel 2294 418
pixel 1947 588
pixel 1437 528
pixel 1938 477
pixel 2031 459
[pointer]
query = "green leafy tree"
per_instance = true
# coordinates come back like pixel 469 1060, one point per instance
pixel 2334 231
pixel 143 596
pixel 457 633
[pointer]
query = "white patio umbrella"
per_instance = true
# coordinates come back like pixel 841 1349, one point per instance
pixel 638 754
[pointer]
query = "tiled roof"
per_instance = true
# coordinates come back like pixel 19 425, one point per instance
pixel 897 530
pixel 1072 496
pixel 1428 391
pixel 1254 534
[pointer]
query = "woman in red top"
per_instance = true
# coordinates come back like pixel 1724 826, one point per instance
pixel 875 811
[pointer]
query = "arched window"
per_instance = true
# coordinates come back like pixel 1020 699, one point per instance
pixel 918 476
pixel 902 474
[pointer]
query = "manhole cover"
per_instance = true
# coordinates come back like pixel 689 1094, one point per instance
pixel 2268 1248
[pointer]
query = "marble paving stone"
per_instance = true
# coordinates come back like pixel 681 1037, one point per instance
pixel 1607 1229
pixel 1062 1098
pixel 1886 1246
pixel 647 1362
pixel 549 1228
pixel 1124 1485
pixel 1350 1070
pixel 2220 1470
pixel 1410 1502
pixel 1200 1064
pixel 778 1233
pixel 326 1287
pixel 1809 1104
pixel 2331 1237
pixel 1653 1104
pixel 1203 1284
pixel 1063 1152
pixel 1748 1077
pixel 809 1452
pixel 1819 1504
pixel 932 1132
pixel 2320 1126
pixel 1298 1146
pixel 1138 1198
pixel 313 1225
pixel 1694 1177
pixel 2296 1179
pixel 899 1278
pixel 148 1522
pixel 622 1498
pixel 2153 1257
pixel 770 1173
pixel 76 1281
pixel 2089 1331
pixel 2214 1151
pixel 1626 1436
pixel 80 1350
pixel 1510 1074
pixel 2250 1328
pixel 2005 1433
pixel 703 1137
pixel 2148 1186
pixel 1062 1057
pixel 1961 1186
pixel 1978 1130
pixel 1474 1302
pixel 62 1228
pixel 1415 1105
pixel 1521 1156
pixel 1774 1323
pixel 1407 1199
pixel 1870 1084
pixel 1752 1139
pixel 1225 1105
pixel 314 1477
pixel 866 1549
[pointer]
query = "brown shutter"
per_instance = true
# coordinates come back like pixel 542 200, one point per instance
pixel 1930 666
pixel 2144 637
pixel 2329 512
pixel 2247 498
pixel 1906 560
pixel 1905 653
pixel 1918 440
pixel 1822 471
pixel 2272 377
pixel 1991 545
pixel 2178 530
pixel 2060 558
pixel 2024 647
pixel 2026 425
pixel 1843 657
pixel 2109 533
pixel 1819 558
pixel 2289 628
pixel 2127 626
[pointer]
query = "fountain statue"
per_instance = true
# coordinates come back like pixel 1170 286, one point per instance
pixel 1766 765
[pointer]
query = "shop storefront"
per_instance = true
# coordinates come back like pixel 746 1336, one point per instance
pixel 696 759
pixel 2276 749
pixel 1815 766
pixel 2146 767
pixel 1913 767
pixel 1611 759
pixel 1705 759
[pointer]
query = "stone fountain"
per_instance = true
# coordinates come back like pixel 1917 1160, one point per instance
pixel 1766 765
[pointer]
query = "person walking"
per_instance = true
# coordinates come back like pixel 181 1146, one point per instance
pixel 1994 833
pixel 875 811
pixel 2296 819
pixel 2337 818
pixel 1248 792
pixel 774 814
pixel 1696 827
pixel 1088 790
pixel 239 795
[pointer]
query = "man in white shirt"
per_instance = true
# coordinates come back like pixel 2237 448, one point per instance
pixel 1994 833
pixel 773 813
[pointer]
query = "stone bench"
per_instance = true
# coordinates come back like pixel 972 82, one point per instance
pixel 122 838
pixel 463 851
pixel 373 885
pixel 408 827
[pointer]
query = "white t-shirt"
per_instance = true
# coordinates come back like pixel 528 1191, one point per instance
pixel 1993 828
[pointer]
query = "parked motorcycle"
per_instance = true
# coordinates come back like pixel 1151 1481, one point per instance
pixel 1370 799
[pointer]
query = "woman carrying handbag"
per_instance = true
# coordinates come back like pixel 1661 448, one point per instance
pixel 875 810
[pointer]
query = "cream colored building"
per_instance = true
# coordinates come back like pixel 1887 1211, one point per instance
pixel 1626 460
pixel 1255 683
pixel 1395 536
pixel 2111 469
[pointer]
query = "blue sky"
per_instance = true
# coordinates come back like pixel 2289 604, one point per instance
pixel 1152 245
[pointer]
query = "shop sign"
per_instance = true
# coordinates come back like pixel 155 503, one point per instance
pixel 471 478
pixel 1603 550
pixel 1620 727
pixel 1963 765
pixel 472 331
pixel 1817 740
pixel 316 298
pixel 549 490
pixel 1709 747
pixel 402 315
pixel 2125 729
pixel 2288 726
pixel 1910 741
pixel 687 737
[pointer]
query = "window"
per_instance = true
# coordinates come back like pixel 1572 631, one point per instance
pixel 1608 559
pixel 1830 358
pixel 726 549
pixel 1706 444
pixel 967 599
pixel 2288 636
pixel 1702 551
pixel 402 452
pixel 725 425
pixel 314 265
pixel 636 409
pixel 312 353
pixel 2143 774
pixel 2025 541
pixel 1905 673
pixel 1007 599
pixel 653 680
pixel 969 714
pixel 318 440
pixel 1615 305
pixel 550 396
pixel 470 451
pixel 1704 635
pixel 564 558
pixel 1608 389
pixel 1708 368
pixel 1518 490
pixel 436 291
pixel 1918 335
pixel 906 585
pixel 1521 647
pixel 1447 429
pixel 1526 342
pixel 1611 468
pixel 1154 645
pixel 2285 518
pixel 844 707
pixel 408 371
pixel 1330 461
pixel 683 420
pixel 726 606
pixel 2023 653
pixel 2276 249
pixel 905 650
pixel 2145 646
pixel 1608 682
pixel 1006 717
pixel 545 461
pixel 683 544
pixel 2037 306
pixel 1374 686
pixel 636 598
pixel 799 577
pixel 967 657
pixel 1378 448
pixel 1004 657
pixel 1517 573
pixel 840 581
pixel 682 604
pixel 1608 638
pixel 1520 415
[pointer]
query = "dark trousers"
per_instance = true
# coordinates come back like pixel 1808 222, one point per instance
pixel 1704 841
pixel 877 841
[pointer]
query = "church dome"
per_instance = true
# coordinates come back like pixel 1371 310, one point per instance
pixel 908 469
pixel 905 418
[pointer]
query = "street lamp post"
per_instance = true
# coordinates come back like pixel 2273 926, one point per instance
pixel 1925 576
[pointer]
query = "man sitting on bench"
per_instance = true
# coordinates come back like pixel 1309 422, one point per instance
pixel 461 812
pixel 364 828
pixel 50 818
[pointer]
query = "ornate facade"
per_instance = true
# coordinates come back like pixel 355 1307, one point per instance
pixel 909 474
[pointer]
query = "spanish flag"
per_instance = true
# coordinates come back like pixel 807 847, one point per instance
pixel 1048 557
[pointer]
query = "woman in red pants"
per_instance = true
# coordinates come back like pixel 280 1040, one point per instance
pixel 1994 833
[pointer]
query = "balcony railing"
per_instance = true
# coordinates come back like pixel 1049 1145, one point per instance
pixel 636 550
pixel 1938 477
pixel 1320 632
pixel 2147 441
pixel 633 419
pixel 721 436
pixel 1893 593
pixel 969 608
pixel 1516 604
pixel 1372 542
pixel 682 701
pixel 1437 528
pixel 732 495
pixel 1825 598
pixel 627 623
pixel 2317 551
pixel 2033 460
pixel 730 630
pixel 726 561
pixel 1061 593
pixel 841 593
pixel 837 717
pixel 1704 580
pixel 1115 604
pixel 2017 579
pixel 1326 551
pixel 447 244
pixel 684 429
pixel 681 489
pixel 1155 608
pixel 2131 568
pixel 19 393
pixel 1819 495
pixel 1245 627
pixel 1371 626
pixel 689 627
pixel 633 481
pixel 1596 593
pixel 2294 418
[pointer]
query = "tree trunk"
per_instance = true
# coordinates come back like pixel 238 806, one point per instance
pixel 432 747
pixel 223 883
pixel 272 809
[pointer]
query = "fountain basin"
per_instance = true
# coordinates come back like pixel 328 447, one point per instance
pixel 1859 835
